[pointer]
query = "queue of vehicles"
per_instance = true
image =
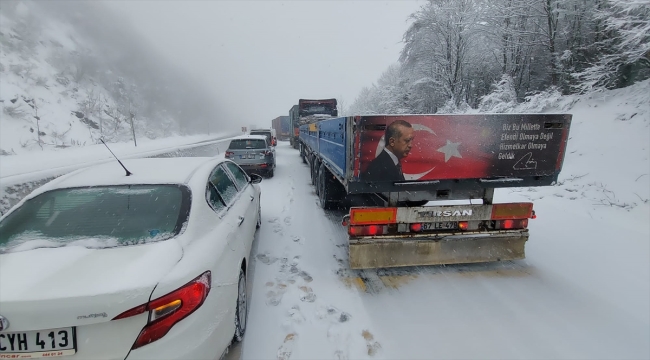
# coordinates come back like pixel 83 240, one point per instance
pixel 153 223
pixel 403 162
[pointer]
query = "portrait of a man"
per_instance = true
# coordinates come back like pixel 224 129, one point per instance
pixel 387 165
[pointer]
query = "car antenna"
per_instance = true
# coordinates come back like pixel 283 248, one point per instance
pixel 128 173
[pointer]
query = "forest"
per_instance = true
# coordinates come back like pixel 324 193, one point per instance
pixel 490 56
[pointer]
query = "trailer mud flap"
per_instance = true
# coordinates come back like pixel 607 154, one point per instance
pixel 384 253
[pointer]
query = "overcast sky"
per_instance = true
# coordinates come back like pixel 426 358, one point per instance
pixel 260 57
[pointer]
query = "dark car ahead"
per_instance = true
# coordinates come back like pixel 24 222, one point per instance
pixel 253 154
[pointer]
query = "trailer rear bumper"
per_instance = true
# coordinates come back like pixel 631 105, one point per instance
pixel 380 252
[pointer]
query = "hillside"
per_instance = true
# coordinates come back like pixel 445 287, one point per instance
pixel 72 72
pixel 606 171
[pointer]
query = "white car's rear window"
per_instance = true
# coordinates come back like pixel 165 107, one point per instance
pixel 97 217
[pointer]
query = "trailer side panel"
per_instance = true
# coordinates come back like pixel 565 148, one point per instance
pixel 332 144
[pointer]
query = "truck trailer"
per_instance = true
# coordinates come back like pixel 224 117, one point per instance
pixel 282 127
pixel 294 126
pixel 406 165
pixel 309 111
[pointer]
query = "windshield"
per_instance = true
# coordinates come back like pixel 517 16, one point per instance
pixel 97 217
pixel 247 144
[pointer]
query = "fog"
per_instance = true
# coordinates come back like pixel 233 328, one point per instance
pixel 257 58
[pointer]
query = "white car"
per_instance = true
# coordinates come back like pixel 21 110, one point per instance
pixel 100 265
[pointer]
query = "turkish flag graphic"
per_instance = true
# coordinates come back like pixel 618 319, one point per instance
pixel 468 146
pixel 441 149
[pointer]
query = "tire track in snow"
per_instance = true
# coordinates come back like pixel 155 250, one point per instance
pixel 298 275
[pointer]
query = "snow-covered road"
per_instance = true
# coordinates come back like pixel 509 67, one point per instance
pixel 582 292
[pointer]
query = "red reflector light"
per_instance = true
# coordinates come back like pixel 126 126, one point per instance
pixel 355 230
pixel 229 154
pixel 463 225
pixel 512 224
pixel 417 227
pixel 169 309
pixel 367 230
pixel 374 230
pixel 133 312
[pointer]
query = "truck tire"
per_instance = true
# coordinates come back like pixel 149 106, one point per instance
pixel 302 154
pixel 317 179
pixel 326 190
pixel 313 170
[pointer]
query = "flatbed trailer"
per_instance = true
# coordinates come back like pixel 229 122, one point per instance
pixel 451 157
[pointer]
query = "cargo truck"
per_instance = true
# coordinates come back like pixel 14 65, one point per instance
pixel 408 164
pixel 282 127
pixel 294 127
pixel 309 111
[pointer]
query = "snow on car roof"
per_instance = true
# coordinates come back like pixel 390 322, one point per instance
pixel 247 137
pixel 144 171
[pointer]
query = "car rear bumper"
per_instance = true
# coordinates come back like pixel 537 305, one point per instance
pixel 257 167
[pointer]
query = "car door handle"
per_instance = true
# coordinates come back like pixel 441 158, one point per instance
pixel 241 220
pixel 252 197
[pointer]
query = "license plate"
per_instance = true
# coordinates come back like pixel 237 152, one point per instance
pixel 251 156
pixel 38 344
pixel 447 225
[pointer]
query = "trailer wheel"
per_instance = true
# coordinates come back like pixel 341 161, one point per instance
pixel 317 180
pixel 302 154
pixel 325 189
pixel 314 172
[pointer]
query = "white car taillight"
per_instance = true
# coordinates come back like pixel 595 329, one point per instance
pixel 169 309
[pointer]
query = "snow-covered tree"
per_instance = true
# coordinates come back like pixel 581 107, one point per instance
pixel 440 44
pixel 502 98
pixel 625 49
pixel 493 54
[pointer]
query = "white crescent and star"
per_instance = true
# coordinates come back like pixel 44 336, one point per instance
pixel 450 150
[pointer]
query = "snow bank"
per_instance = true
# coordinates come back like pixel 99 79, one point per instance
pixel 38 165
